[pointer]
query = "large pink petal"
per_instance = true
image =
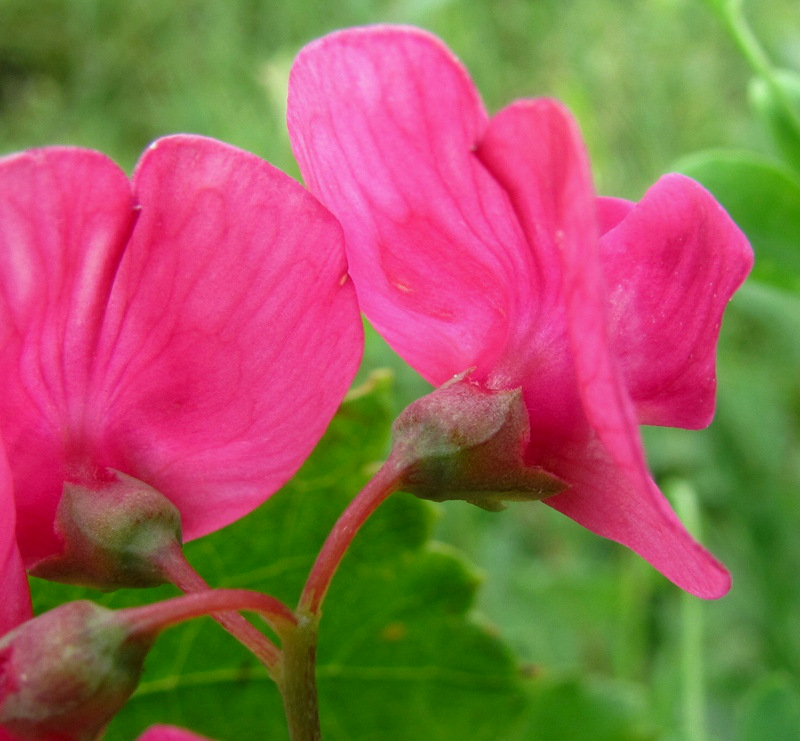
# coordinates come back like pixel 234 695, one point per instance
pixel 383 122
pixel 65 216
pixel 231 335
pixel 603 461
pixel 15 599
pixel 671 266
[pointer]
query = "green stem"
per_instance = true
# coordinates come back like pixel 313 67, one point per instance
pixel 691 648
pixel 296 679
pixel 746 40
pixel 757 58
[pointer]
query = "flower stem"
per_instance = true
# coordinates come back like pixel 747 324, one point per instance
pixel 746 40
pixel 183 575
pixel 295 673
pixel 691 640
pixel 160 615
pixel 758 59
pixel 296 679
pixel 293 666
pixel 385 482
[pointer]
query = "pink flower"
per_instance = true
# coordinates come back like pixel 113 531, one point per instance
pixel 15 599
pixel 193 327
pixel 477 242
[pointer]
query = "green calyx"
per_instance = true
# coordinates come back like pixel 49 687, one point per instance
pixel 115 535
pixel 463 441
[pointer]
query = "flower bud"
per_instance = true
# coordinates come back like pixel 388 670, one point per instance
pixel 463 441
pixel 64 674
pixel 115 535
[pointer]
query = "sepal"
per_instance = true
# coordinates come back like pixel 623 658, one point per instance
pixel 115 534
pixel 463 441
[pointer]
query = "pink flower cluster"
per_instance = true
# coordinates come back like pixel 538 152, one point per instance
pixel 194 326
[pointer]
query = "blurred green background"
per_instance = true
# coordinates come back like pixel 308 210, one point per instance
pixel 650 82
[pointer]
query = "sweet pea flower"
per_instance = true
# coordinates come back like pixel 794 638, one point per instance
pixel 192 327
pixel 478 243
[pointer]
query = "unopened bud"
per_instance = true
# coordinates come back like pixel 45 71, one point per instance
pixel 463 441
pixel 64 674
pixel 115 534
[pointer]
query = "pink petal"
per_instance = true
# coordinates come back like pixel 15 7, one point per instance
pixel 15 607
pixel 231 335
pixel 610 211
pixel 620 505
pixel 15 599
pixel 534 150
pixel 169 733
pixel 557 207
pixel 383 122
pixel 671 265
pixel 65 216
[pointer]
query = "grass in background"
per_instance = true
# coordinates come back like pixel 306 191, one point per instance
pixel 649 83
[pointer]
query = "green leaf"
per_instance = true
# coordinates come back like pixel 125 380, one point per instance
pixel 777 101
pixel 764 200
pixel 400 656
pixel 772 711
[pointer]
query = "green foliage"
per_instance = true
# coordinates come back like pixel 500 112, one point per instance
pixel 725 9
pixel 115 75
pixel 777 101
pixel 763 198
pixel 772 711
pixel 579 708
pixel 399 651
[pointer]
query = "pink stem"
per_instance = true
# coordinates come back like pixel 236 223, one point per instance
pixel 182 574
pixel 384 483
pixel 159 615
